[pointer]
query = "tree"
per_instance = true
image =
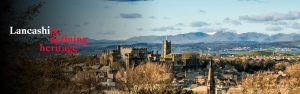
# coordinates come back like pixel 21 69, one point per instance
pixel 86 80
pixel 272 83
pixel 280 66
pixel 150 77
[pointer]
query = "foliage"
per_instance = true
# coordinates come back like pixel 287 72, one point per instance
pixel 281 66
pixel 262 53
pixel 273 83
pixel 253 53
pixel 148 77
pixel 166 91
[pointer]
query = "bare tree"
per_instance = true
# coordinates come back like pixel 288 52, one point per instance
pixel 268 82
pixel 151 77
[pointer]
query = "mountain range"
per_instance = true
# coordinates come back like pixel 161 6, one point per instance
pixel 196 41
pixel 197 37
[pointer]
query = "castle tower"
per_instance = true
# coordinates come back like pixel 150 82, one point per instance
pixel 166 48
pixel 119 47
pixel 211 79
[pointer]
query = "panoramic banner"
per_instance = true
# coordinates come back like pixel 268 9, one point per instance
pixel 150 46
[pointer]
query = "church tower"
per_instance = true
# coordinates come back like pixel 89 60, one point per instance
pixel 166 48
pixel 211 79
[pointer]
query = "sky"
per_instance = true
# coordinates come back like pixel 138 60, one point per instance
pixel 122 19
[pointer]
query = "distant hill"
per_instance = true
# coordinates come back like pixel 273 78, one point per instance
pixel 196 37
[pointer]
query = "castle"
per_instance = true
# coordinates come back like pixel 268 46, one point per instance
pixel 134 56
pixel 129 56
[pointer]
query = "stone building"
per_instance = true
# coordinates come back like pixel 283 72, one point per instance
pixel 167 56
pixel 129 56
pixel 153 57
pixel 166 49
pixel 134 56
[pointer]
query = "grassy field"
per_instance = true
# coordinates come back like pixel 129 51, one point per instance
pixel 262 53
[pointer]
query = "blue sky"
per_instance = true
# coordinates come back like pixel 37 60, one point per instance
pixel 121 19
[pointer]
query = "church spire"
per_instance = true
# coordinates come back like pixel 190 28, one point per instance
pixel 211 79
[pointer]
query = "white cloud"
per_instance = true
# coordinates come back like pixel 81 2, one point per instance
pixel 273 28
pixel 198 24
pixel 292 15
pixel 167 28
pixel 130 15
